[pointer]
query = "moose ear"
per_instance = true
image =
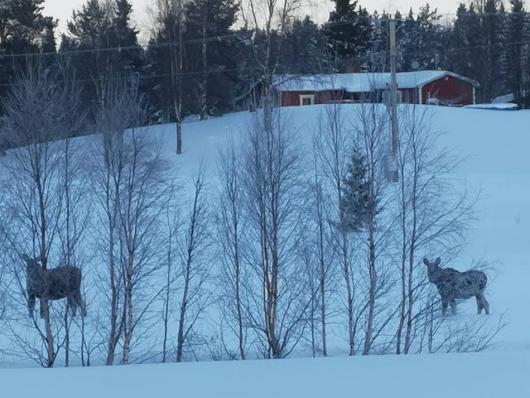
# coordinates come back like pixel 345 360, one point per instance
pixel 425 261
pixel 438 261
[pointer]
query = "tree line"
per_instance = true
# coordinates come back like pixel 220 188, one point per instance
pixel 204 56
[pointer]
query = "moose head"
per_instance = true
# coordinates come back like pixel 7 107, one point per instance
pixel 433 269
pixel 31 263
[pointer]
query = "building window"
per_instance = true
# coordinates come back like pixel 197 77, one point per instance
pixel 307 100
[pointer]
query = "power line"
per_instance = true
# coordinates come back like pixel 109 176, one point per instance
pixel 151 43
pixel 386 17
pixel 230 36
pixel 360 58
pixel 125 48
pixel 139 76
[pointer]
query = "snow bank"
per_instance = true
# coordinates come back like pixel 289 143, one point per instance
pixel 491 375
pixel 495 106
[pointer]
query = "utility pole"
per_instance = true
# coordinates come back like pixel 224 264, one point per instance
pixel 180 70
pixel 393 173
pixel 176 61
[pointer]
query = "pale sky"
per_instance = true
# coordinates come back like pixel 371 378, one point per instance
pixel 318 9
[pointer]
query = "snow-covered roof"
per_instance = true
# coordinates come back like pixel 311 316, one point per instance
pixel 359 82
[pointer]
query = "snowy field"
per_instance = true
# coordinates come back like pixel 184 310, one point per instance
pixel 490 375
pixel 495 146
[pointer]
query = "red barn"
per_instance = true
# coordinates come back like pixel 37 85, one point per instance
pixel 421 87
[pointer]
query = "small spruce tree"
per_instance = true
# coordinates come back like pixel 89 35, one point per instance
pixel 356 200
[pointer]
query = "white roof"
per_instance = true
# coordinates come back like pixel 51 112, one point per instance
pixel 358 82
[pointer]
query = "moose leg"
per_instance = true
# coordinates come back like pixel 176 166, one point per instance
pixel 31 304
pixel 71 305
pixel 453 307
pixel 445 304
pixel 480 306
pixel 41 302
pixel 80 303
pixel 485 304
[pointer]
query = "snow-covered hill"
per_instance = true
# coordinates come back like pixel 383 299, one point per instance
pixel 495 146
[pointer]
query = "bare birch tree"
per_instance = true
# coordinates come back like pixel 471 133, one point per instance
pixel 75 212
pixel 273 197
pixel 194 268
pixel 108 171
pixel 323 232
pixel 172 230
pixel 130 188
pixel 371 130
pixel 230 226
pixel 332 146
pixel 309 253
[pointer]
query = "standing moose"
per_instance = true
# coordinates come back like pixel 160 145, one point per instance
pixel 54 284
pixel 453 284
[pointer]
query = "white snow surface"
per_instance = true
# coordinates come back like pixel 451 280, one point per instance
pixel 357 82
pixel 495 146
pixel 434 376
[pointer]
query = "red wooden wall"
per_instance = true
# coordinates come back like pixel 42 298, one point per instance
pixel 449 91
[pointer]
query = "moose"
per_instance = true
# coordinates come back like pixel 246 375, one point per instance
pixel 453 285
pixel 53 284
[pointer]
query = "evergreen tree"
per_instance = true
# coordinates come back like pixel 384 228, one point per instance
pixel 101 26
pixel 304 49
pixel 356 200
pixel 23 27
pixel 408 37
pixel 23 30
pixel 209 59
pixel 348 30
pixel 378 54
pixel 525 67
pixel 460 42
pixel 130 59
pixel 514 48
pixel 474 46
pixel 209 89
pixel 492 32
pixel 248 75
pixel 159 69
pixel 423 41
pixel 477 46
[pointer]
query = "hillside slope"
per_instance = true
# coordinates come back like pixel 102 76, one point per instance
pixel 495 146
